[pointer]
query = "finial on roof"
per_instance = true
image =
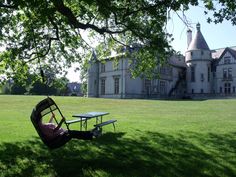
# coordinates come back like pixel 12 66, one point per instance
pixel 198 26
pixel 198 41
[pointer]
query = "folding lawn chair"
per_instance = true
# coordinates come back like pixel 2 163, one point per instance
pixel 43 108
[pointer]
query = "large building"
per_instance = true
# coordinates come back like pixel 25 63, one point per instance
pixel 201 73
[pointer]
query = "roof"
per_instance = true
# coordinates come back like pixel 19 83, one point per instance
pixel 217 53
pixel 177 61
pixel 198 42
pixel 232 51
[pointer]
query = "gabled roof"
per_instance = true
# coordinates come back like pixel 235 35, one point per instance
pixel 219 53
pixel 231 51
pixel 198 42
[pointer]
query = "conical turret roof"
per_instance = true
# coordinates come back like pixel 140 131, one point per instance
pixel 198 42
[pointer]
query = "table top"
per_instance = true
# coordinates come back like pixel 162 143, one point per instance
pixel 90 114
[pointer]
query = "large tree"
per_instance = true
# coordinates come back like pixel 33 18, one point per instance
pixel 50 32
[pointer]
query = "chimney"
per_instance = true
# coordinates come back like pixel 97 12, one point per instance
pixel 198 26
pixel 189 37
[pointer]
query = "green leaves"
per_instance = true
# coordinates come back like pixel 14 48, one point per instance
pixel 51 30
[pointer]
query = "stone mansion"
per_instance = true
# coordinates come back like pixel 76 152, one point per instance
pixel 201 73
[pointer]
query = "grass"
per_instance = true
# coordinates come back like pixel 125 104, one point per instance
pixel 153 138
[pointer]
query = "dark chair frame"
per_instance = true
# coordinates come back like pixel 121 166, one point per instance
pixel 43 108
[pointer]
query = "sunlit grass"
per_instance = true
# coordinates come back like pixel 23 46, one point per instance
pixel 152 138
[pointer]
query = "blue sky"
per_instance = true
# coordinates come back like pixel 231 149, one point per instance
pixel 216 35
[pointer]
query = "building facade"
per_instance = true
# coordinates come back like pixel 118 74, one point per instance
pixel 202 72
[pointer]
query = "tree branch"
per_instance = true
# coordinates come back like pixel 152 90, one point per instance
pixel 49 42
pixel 65 11
pixel 52 38
pixel 8 6
pixel 119 41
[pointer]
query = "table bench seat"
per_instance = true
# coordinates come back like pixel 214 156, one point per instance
pixel 106 123
pixel 75 120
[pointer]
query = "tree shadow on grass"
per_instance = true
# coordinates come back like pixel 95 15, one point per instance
pixel 147 154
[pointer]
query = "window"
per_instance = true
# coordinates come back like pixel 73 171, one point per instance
pixel 233 89
pixel 214 74
pixel 103 67
pixel 147 85
pixel 192 73
pixel 229 73
pixel 103 86
pixel 227 88
pixel 226 60
pixel 224 73
pixel 208 73
pixel 202 77
pixel 220 89
pixel 192 91
pixel 162 87
pixel 202 91
pixel 95 84
pixel 202 52
pixel 116 85
pixel 163 70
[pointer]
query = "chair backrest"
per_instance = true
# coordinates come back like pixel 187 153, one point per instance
pixel 43 108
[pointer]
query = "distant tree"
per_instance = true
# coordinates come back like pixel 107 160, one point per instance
pixel 60 84
pixel 33 85
pixel 18 89
pixel 84 88
pixel 6 88
pixel 83 77
pixel 39 88
pixel 51 30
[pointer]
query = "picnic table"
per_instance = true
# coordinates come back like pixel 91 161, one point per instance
pixel 84 117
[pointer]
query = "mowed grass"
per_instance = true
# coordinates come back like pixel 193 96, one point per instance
pixel 152 138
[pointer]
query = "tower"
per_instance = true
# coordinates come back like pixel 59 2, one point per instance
pixel 198 61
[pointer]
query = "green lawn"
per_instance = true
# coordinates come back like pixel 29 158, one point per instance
pixel 153 138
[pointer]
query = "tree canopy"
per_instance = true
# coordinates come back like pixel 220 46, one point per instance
pixel 51 32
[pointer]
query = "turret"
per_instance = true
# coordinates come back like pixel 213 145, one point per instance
pixel 198 60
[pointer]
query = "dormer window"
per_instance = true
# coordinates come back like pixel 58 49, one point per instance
pixel 226 60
